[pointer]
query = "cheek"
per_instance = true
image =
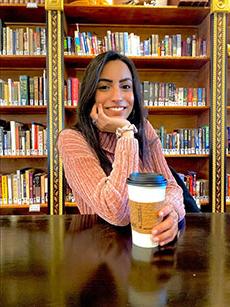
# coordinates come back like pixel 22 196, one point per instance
pixel 130 99
pixel 100 98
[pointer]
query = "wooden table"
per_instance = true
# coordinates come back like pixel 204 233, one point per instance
pixel 82 261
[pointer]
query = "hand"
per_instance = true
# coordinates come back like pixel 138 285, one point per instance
pixel 166 231
pixel 106 123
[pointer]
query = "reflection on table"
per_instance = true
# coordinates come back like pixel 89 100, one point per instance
pixel 83 261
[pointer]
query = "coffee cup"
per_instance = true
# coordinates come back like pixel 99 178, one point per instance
pixel 146 192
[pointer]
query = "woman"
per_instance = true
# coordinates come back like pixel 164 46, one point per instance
pixel 110 141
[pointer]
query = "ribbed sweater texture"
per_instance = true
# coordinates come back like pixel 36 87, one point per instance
pixel 107 196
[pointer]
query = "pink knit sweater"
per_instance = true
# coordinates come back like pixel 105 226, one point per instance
pixel 107 196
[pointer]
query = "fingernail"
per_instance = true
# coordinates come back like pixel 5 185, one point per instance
pixel 154 232
pixel 161 214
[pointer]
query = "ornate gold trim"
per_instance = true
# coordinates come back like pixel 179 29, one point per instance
pixel 50 118
pixel 60 111
pixel 57 5
pixel 55 109
pixel 218 112
pixel 222 6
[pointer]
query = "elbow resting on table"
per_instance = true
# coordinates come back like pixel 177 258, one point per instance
pixel 117 219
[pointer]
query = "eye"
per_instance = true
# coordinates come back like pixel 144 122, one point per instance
pixel 103 87
pixel 126 86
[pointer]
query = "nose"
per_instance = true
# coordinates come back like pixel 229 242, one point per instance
pixel 116 93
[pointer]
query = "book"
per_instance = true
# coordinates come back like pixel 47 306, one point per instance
pixel 24 90
pixel 74 91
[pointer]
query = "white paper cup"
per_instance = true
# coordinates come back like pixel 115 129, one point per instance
pixel 146 195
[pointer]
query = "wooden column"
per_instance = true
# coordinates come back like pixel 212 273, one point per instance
pixel 219 9
pixel 55 102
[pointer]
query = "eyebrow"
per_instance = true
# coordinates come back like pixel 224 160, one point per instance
pixel 111 81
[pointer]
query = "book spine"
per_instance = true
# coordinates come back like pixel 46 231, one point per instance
pixel 4 190
pixel 10 189
pixel 74 91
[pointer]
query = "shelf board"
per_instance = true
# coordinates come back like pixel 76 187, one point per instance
pixel 22 61
pixel 16 206
pixel 145 62
pixel 24 157
pixel 20 13
pixel 177 110
pixel 186 156
pixel 129 14
pixel 30 109
pixel 70 204
pixel 23 109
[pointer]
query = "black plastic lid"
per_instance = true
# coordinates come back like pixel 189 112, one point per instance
pixel 147 179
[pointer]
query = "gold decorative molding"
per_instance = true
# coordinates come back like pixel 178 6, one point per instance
pixel 55 109
pixel 57 5
pixel 218 111
pixel 220 6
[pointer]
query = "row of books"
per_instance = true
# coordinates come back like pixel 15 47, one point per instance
pixel 198 188
pixel 154 94
pixel 18 139
pixel 25 186
pixel 87 43
pixel 22 1
pixel 167 94
pixel 71 91
pixel 27 91
pixel 185 141
pixel 22 41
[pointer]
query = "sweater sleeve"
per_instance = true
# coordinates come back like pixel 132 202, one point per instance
pixel 107 196
pixel 174 193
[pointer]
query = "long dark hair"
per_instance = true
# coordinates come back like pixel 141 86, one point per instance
pixel 87 100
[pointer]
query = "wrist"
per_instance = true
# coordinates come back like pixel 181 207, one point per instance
pixel 127 131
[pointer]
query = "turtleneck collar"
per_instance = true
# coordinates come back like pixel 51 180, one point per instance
pixel 108 141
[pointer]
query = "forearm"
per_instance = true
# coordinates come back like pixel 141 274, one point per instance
pixel 174 197
pixel 105 195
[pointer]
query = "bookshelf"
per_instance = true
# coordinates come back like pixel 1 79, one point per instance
pixel 185 71
pixel 20 59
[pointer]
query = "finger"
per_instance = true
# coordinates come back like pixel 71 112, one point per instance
pixel 166 210
pixel 101 113
pixel 166 236
pixel 166 230
pixel 93 113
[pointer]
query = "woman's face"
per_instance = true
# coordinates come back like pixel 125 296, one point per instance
pixel 115 89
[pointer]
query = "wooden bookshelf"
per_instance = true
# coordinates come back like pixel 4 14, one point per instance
pixel 146 62
pixel 28 61
pixel 21 14
pixel 22 210
pixel 185 71
pixel 24 157
pixel 142 15
pixel 179 110
pixel 15 206
pixel 12 67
